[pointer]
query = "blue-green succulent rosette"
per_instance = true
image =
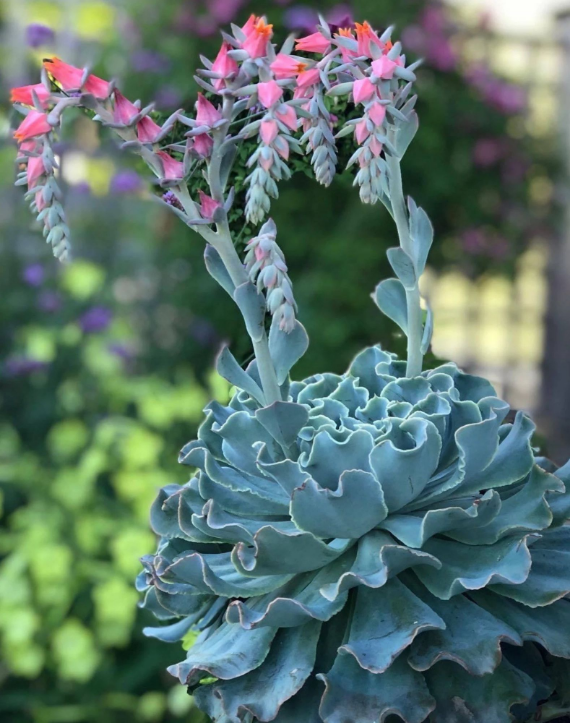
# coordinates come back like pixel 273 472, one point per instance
pixel 375 546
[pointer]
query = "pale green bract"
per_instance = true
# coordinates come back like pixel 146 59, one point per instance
pixel 375 545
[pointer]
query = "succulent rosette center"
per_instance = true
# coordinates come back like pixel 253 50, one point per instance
pixel 376 545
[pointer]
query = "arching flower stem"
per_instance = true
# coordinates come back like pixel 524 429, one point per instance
pixel 413 298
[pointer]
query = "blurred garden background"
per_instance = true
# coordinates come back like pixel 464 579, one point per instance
pixel 106 364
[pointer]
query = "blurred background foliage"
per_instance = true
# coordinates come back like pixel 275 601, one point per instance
pixel 105 365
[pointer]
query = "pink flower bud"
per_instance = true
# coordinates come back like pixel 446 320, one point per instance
pixel 172 169
pixel 34 170
pixel 124 110
pixel 377 114
pixel 268 131
pixel 375 146
pixel 208 205
pixel 147 130
pixel 206 113
pixel 224 65
pixel 308 77
pixel 288 116
pixel 384 68
pixel 203 144
pixel 282 147
pixel 269 93
pixel 363 90
pixel 361 132
pixel 315 43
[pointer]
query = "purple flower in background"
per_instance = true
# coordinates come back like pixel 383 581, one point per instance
pixel 487 152
pixel 149 61
pixel 340 16
pixel 301 18
pixel 38 35
pixel 83 188
pixel 473 240
pixel 414 38
pixel 168 97
pixel 434 20
pixel 96 319
pixel 126 181
pixel 19 366
pixel 441 54
pixel 34 275
pixel 203 332
pixel 224 11
pixel 123 351
pixel 49 302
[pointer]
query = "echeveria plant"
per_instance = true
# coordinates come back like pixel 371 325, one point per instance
pixel 350 547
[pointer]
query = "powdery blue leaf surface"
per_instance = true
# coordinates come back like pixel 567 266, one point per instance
pixel 354 694
pixel 217 269
pixel 352 510
pixel 286 668
pixel 228 368
pixel 403 266
pixel 390 298
pixel 283 421
pixel 252 306
pixel 287 348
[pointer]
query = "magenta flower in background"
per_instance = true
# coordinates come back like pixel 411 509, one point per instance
pixel 38 35
pixel 487 152
pixel 301 18
pixel 167 98
pixel 149 61
pixel 20 366
pixel 95 319
pixel 34 275
pixel 126 181
pixel 49 301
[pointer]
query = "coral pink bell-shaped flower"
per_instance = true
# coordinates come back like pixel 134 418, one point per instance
pixel 24 94
pixel 34 124
pixel 69 77
pixel 315 43
pixel 366 38
pixel 284 66
pixel 258 35
pixel 34 170
pixel 384 68
pixel 363 90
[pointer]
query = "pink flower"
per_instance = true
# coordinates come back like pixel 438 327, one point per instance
pixel 269 93
pixel 268 131
pixel 247 29
pixel 377 114
pixel 284 66
pixel 34 124
pixel 206 113
pixel 363 90
pixel 39 200
pixel 23 94
pixel 69 77
pixel 384 68
pixel 257 38
pixel 203 144
pixel 124 110
pixel 207 205
pixel 346 53
pixel 361 132
pixel 172 169
pixel 287 116
pixel 34 170
pixel 282 147
pixel 266 163
pixel 315 43
pixel 308 77
pixel 366 38
pixel 224 65
pixel 375 146
pixel 147 130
